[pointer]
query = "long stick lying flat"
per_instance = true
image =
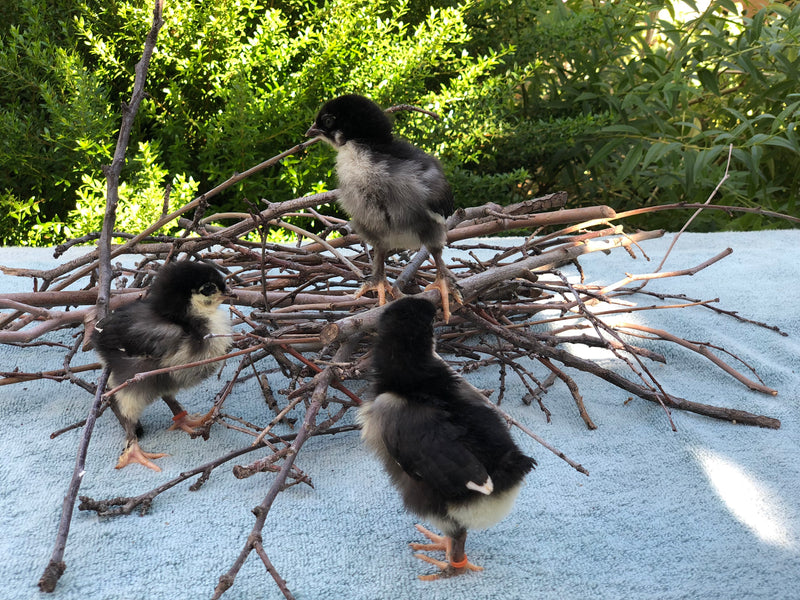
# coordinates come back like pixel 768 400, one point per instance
pixel 56 566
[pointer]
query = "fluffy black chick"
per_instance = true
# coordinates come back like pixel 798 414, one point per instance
pixel 175 324
pixel 396 195
pixel 446 450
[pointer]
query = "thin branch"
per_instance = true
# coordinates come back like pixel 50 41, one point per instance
pixel 259 548
pixel 656 275
pixel 697 212
pixel 322 381
pixel 56 566
pixel 57 375
pixel 577 466
pixel 113 171
pixel 694 205
pixel 199 363
pixel 573 388
pixel 703 351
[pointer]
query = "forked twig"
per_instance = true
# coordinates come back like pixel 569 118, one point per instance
pixel 703 351
pixel 322 381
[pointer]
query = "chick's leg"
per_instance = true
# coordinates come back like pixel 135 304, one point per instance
pixel 445 283
pixel 377 281
pixel 128 408
pixel 183 420
pixel 134 454
pixel 456 563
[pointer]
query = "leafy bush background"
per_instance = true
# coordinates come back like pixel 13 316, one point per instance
pixel 617 103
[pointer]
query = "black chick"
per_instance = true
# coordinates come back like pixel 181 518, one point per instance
pixel 447 451
pixel 396 195
pixel 167 328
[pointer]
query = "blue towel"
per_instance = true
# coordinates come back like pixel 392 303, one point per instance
pixel 709 511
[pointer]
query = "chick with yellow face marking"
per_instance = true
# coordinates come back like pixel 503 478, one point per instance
pixel 179 321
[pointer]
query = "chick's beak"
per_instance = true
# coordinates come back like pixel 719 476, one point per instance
pixel 313 131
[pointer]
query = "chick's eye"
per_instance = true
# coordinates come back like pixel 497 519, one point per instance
pixel 208 289
pixel 328 121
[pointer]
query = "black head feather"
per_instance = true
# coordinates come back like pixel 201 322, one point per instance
pixel 171 292
pixel 406 327
pixel 352 117
pixel 403 357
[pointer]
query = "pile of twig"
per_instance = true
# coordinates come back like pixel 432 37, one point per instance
pixel 295 313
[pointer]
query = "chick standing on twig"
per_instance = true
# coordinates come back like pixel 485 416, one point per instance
pixel 448 452
pixel 177 323
pixel 396 195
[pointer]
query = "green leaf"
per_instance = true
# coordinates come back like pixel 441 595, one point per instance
pixel 620 129
pixel 689 161
pixel 604 152
pixel 657 151
pixel 779 142
pixel 631 162
pixel 708 80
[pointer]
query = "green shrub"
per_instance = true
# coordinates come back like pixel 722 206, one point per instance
pixel 141 197
pixel 55 120
pixel 617 103
pixel 716 81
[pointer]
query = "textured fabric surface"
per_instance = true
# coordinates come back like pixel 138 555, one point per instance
pixel 709 511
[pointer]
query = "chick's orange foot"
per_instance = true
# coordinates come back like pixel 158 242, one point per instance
pixel 446 288
pixel 188 423
pixel 134 454
pixel 438 542
pixel 448 568
pixel 381 286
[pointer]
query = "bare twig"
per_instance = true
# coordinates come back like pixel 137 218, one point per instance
pixel 656 275
pixel 259 548
pixel 577 466
pixel 55 568
pixel 322 381
pixel 704 351
pixel 113 171
pixel 573 389
pixel 697 212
